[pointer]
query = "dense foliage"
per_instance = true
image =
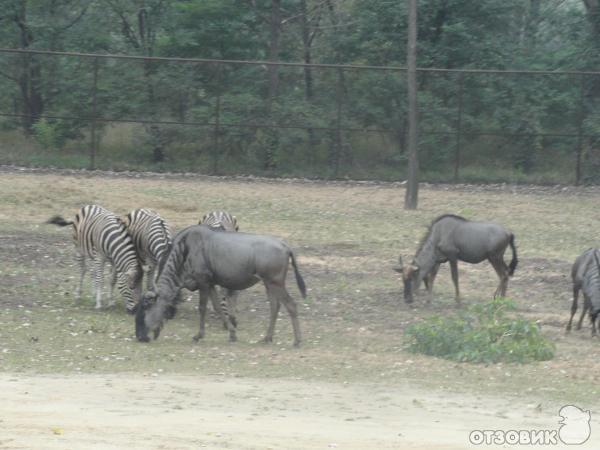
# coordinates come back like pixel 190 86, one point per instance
pixel 481 333
pixel 510 123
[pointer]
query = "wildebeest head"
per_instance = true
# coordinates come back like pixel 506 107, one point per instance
pixel 150 314
pixel 410 274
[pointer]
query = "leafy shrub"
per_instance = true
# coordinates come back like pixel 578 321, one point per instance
pixel 481 333
pixel 46 134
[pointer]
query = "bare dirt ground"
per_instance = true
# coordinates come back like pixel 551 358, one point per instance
pixel 73 377
pixel 186 412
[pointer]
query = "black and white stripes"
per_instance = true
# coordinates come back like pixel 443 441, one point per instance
pixel 101 236
pixel 151 237
pixel 221 220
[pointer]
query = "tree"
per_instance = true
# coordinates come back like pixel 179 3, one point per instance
pixel 412 183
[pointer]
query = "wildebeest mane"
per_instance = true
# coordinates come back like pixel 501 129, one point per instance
pixel 430 227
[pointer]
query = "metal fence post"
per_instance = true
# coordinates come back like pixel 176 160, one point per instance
pixel 458 127
pixel 217 129
pixel 580 129
pixel 338 125
pixel 93 121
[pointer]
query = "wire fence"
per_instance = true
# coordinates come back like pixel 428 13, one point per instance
pixel 315 120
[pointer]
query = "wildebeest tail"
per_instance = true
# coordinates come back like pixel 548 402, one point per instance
pixel 299 280
pixel 513 264
pixel 58 220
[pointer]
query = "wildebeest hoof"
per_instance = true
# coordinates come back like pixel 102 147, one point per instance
pixel 267 340
pixel 144 339
pixel 232 338
pixel 296 344
pixel 198 337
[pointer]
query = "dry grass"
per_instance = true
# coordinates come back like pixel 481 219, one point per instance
pixel 347 236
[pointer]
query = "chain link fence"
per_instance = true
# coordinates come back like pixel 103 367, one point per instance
pixel 285 119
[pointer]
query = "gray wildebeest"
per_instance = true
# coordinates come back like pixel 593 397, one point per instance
pixel 586 275
pixel 453 238
pixel 201 259
pixel 223 221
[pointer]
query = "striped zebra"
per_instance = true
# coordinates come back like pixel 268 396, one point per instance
pixel 152 240
pixel 101 236
pixel 222 221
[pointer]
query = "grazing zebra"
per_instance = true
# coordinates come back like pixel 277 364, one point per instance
pixel 151 237
pixel 586 277
pixel 220 220
pixel 101 236
pixel 223 221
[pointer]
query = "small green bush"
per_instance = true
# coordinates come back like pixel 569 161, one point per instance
pixel 481 333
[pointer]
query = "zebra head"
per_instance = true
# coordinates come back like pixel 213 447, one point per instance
pixel 410 274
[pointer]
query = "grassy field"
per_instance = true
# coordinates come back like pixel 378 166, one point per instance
pixel 347 236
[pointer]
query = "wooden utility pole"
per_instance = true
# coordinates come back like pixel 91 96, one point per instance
pixel 412 184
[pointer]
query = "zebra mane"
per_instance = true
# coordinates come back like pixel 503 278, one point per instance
pixel 430 228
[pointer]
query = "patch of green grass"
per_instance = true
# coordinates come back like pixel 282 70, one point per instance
pixel 481 333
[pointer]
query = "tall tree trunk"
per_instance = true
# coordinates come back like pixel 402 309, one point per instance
pixel 307 57
pixel 273 73
pixel 412 185
pixel 29 78
pixel 273 70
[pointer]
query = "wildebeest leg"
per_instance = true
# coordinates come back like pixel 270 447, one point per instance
pixel 586 306
pixel 274 310
pixel 502 271
pixel 454 272
pixel 202 301
pixel 574 308
pixel 429 279
pixel 282 295
pixel 80 258
pixel 229 323
pixel 99 279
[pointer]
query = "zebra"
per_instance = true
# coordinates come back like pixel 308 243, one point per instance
pixel 152 239
pixel 222 221
pixel 101 236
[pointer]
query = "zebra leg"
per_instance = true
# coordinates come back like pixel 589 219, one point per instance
pixel 229 320
pixel 80 259
pixel 218 309
pixel 150 281
pixel 574 308
pixel 454 273
pixel 202 301
pixel 99 279
pixel 113 282
pixel 231 298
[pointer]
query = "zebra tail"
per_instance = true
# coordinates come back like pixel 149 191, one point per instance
pixel 299 280
pixel 58 220
pixel 513 264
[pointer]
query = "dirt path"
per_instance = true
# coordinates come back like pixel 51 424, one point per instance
pixel 181 412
